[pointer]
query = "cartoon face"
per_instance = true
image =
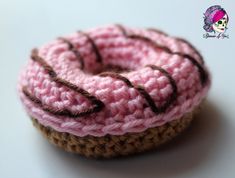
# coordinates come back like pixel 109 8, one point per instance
pixel 220 25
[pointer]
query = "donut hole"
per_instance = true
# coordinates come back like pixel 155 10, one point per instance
pixel 115 65
pixel 119 55
pixel 111 68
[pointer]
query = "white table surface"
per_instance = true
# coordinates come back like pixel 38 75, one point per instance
pixel 206 150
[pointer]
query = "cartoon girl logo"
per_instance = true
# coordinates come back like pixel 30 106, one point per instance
pixel 215 21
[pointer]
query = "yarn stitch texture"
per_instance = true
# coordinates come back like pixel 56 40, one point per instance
pixel 65 85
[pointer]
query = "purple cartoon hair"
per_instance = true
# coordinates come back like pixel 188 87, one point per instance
pixel 212 15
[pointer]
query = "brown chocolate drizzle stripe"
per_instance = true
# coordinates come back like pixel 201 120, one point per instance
pixel 144 93
pixel 98 105
pixel 174 94
pixel 94 46
pixel 74 50
pixel 157 31
pixel 116 76
pixel 179 39
pixel 202 72
pixel 193 47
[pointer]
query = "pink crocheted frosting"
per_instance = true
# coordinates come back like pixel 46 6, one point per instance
pixel 119 106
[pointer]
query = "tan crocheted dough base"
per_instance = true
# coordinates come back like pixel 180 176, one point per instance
pixel 110 145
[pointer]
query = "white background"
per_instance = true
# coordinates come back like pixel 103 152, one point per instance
pixel 206 150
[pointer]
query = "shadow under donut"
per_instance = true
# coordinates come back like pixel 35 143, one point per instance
pixel 187 152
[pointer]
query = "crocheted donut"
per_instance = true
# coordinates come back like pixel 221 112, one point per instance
pixel 113 90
